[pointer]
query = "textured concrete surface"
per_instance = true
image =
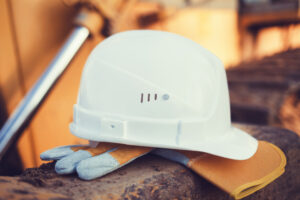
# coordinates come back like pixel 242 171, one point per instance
pixel 151 177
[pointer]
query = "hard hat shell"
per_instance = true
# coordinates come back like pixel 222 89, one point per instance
pixel 158 89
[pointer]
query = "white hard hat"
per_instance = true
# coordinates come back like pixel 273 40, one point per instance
pixel 158 89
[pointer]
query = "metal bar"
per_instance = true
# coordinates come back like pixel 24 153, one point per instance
pixel 35 96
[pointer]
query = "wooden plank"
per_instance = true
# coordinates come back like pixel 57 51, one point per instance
pixel 40 29
pixel 12 88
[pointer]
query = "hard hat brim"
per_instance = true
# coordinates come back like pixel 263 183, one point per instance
pixel 234 144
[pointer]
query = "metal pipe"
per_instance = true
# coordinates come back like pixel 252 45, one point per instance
pixel 22 114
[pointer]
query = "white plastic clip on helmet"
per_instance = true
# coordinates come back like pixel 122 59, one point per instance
pixel 158 89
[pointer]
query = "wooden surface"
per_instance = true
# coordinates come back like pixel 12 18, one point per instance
pixel 33 32
pixel 151 177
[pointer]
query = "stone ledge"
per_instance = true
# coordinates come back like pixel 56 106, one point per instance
pixel 151 177
pixel 267 91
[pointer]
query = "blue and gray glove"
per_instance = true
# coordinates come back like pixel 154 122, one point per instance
pixel 92 162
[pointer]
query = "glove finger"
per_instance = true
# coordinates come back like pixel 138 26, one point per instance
pixel 59 152
pixel 67 164
pixel 102 164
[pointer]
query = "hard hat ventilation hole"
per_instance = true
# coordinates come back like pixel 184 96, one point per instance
pixel 155 97
pixel 142 97
pixel 148 97
pixel 165 97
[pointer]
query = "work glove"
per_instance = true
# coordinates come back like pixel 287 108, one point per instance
pixel 92 161
pixel 239 178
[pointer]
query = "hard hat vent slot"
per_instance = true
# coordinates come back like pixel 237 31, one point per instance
pixel 148 97
pixel 142 97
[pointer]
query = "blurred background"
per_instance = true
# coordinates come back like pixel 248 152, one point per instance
pixel 257 41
